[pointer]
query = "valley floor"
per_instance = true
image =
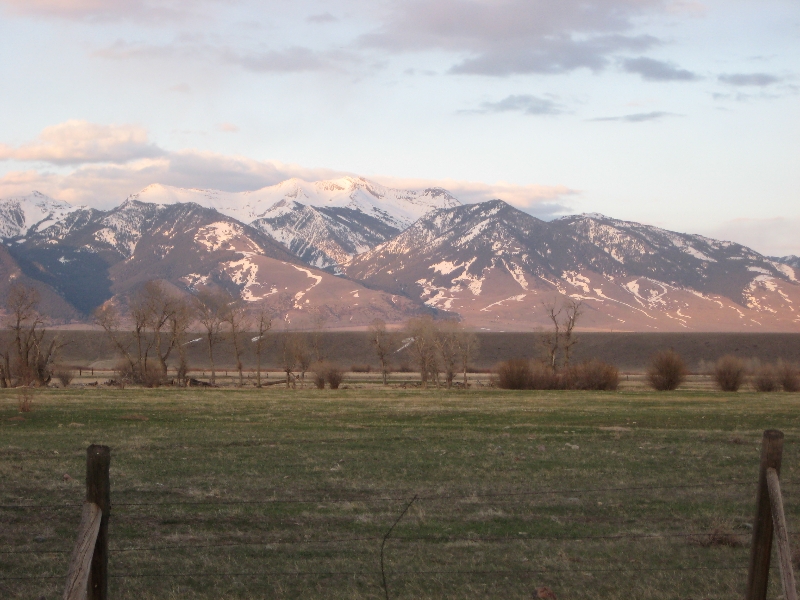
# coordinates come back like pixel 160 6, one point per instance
pixel 225 493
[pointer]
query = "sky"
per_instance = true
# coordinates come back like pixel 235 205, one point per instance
pixel 680 114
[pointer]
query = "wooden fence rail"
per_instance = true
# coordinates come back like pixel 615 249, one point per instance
pixel 770 520
pixel 87 577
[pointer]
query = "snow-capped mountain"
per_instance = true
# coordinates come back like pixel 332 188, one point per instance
pixel 490 263
pixel 396 208
pixel 323 222
pixel 497 266
pixel 92 256
pixel 791 260
pixel 23 214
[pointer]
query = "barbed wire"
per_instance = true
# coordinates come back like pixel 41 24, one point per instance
pixel 471 495
pixel 406 538
pixel 504 573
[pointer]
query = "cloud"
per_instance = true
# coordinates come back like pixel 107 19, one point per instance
pixel 289 60
pixel 79 142
pixel 106 185
pixel 544 201
pixel 228 127
pixel 524 103
pixel 181 88
pixel 776 236
pixel 293 59
pixel 325 17
pixel 516 36
pixel 111 162
pixel 638 117
pixel 106 10
pixel 656 70
pixel 749 79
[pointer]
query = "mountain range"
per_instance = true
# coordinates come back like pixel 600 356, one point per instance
pixel 352 250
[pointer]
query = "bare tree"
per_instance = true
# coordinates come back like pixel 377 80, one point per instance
pixel 552 339
pixel 573 309
pixel 467 347
pixel 381 341
pixel 28 359
pixel 422 331
pixel 302 355
pixel 108 318
pixel 158 307
pixel 181 319
pixel 211 306
pixel 264 321
pixel 446 340
pixel 236 318
pixel 288 355
pixel 560 340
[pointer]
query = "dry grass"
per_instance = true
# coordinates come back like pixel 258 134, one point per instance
pixel 515 488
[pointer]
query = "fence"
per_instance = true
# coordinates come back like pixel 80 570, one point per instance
pixel 379 553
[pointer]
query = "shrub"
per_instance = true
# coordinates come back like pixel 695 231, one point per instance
pixel 544 378
pixel 405 368
pixel 789 377
pixel 334 376
pixel 361 368
pixel 592 375
pixel 515 374
pixel 729 373
pixel 319 380
pixel 65 376
pixel 766 379
pixel 667 371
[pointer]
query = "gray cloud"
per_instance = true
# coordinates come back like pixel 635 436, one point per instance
pixel 656 70
pixel 517 36
pixel 559 55
pixel 325 17
pixel 638 117
pixel 524 103
pixel 749 79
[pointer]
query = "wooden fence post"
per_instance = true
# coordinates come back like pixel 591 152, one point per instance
pixel 782 536
pixel 98 491
pixel 761 548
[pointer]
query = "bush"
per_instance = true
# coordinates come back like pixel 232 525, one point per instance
pixel 405 368
pixel 789 377
pixel 766 379
pixel 592 375
pixel 544 378
pixel 65 376
pixel 334 376
pixel 515 374
pixel 361 368
pixel 667 371
pixel 319 380
pixel 729 373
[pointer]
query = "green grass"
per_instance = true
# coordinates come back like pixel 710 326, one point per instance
pixel 511 485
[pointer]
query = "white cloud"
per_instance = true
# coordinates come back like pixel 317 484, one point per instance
pixel 79 142
pixel 544 201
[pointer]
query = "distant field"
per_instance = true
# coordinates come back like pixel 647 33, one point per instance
pixel 287 493
pixel 629 351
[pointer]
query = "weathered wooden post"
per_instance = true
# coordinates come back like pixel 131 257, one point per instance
pixel 761 548
pixel 98 491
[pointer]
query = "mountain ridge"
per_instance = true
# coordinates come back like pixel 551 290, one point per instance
pixel 489 263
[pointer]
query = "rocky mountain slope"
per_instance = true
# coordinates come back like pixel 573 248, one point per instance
pixel 323 222
pixel 92 256
pixel 497 267
pixel 491 264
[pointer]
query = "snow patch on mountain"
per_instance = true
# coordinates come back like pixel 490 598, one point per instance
pixel 35 212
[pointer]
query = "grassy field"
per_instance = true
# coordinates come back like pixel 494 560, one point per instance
pixel 288 493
